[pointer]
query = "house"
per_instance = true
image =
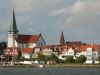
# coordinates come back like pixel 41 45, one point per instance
pixel 11 52
pixel 26 52
pixel 66 52
pixel 47 50
pixel 92 53
pixel 36 52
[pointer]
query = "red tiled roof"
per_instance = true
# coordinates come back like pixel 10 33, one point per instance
pixel 73 43
pixel 51 46
pixel 27 38
pixel 84 47
pixel 27 50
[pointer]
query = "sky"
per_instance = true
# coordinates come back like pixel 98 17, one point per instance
pixel 78 19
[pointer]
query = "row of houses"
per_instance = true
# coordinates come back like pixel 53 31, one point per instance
pixel 91 52
pixel 31 45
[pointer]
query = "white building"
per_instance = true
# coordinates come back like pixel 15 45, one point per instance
pixel 91 52
pixel 67 52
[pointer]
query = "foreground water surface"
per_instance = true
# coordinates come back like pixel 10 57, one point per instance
pixel 49 71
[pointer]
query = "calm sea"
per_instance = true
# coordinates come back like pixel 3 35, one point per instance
pixel 49 71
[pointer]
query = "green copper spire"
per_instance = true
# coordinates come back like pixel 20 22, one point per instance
pixel 13 27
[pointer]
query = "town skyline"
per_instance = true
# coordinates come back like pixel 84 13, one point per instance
pixel 73 17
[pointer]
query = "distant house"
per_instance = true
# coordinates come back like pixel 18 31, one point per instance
pixel 26 52
pixel 11 52
pixel 66 52
pixel 92 53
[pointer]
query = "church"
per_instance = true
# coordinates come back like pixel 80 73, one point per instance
pixel 21 42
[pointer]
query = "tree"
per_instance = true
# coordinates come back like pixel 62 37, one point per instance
pixel 54 58
pixel 81 59
pixel 99 59
pixel 22 58
pixel 41 57
pixel 4 44
pixel 70 59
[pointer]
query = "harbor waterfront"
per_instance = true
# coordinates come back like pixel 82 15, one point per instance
pixel 48 71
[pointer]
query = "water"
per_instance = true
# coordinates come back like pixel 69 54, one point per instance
pixel 49 71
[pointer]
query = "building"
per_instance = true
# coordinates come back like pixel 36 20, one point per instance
pixel 24 43
pixel 92 53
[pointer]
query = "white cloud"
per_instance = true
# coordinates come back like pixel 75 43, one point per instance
pixel 3 25
pixel 22 19
pixel 79 7
pixel 78 13
pixel 28 5
pixel 58 12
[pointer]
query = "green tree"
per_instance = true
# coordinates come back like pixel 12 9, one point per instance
pixel 81 59
pixel 55 58
pixel 22 58
pixel 70 59
pixel 4 44
pixel 41 57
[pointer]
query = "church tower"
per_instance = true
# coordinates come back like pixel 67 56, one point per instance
pixel 12 32
pixel 62 40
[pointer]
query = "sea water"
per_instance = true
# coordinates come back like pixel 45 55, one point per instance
pixel 48 71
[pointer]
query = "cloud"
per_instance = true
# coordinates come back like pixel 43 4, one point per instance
pixel 58 12
pixel 3 31
pixel 80 20
pixel 78 13
pixel 2 37
pixel 79 7
pixel 22 19
pixel 84 11
pixel 28 5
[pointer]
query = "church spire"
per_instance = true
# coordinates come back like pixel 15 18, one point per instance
pixel 13 27
pixel 62 40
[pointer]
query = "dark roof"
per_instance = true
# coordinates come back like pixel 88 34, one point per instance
pixel 13 27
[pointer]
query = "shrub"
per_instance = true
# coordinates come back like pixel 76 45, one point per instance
pixel 81 59
pixel 69 60
pixel 41 57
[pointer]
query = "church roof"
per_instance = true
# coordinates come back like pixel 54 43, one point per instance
pixel 13 27
pixel 62 40
pixel 27 38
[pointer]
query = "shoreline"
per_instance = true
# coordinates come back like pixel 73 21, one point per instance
pixel 57 66
pixel 76 65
